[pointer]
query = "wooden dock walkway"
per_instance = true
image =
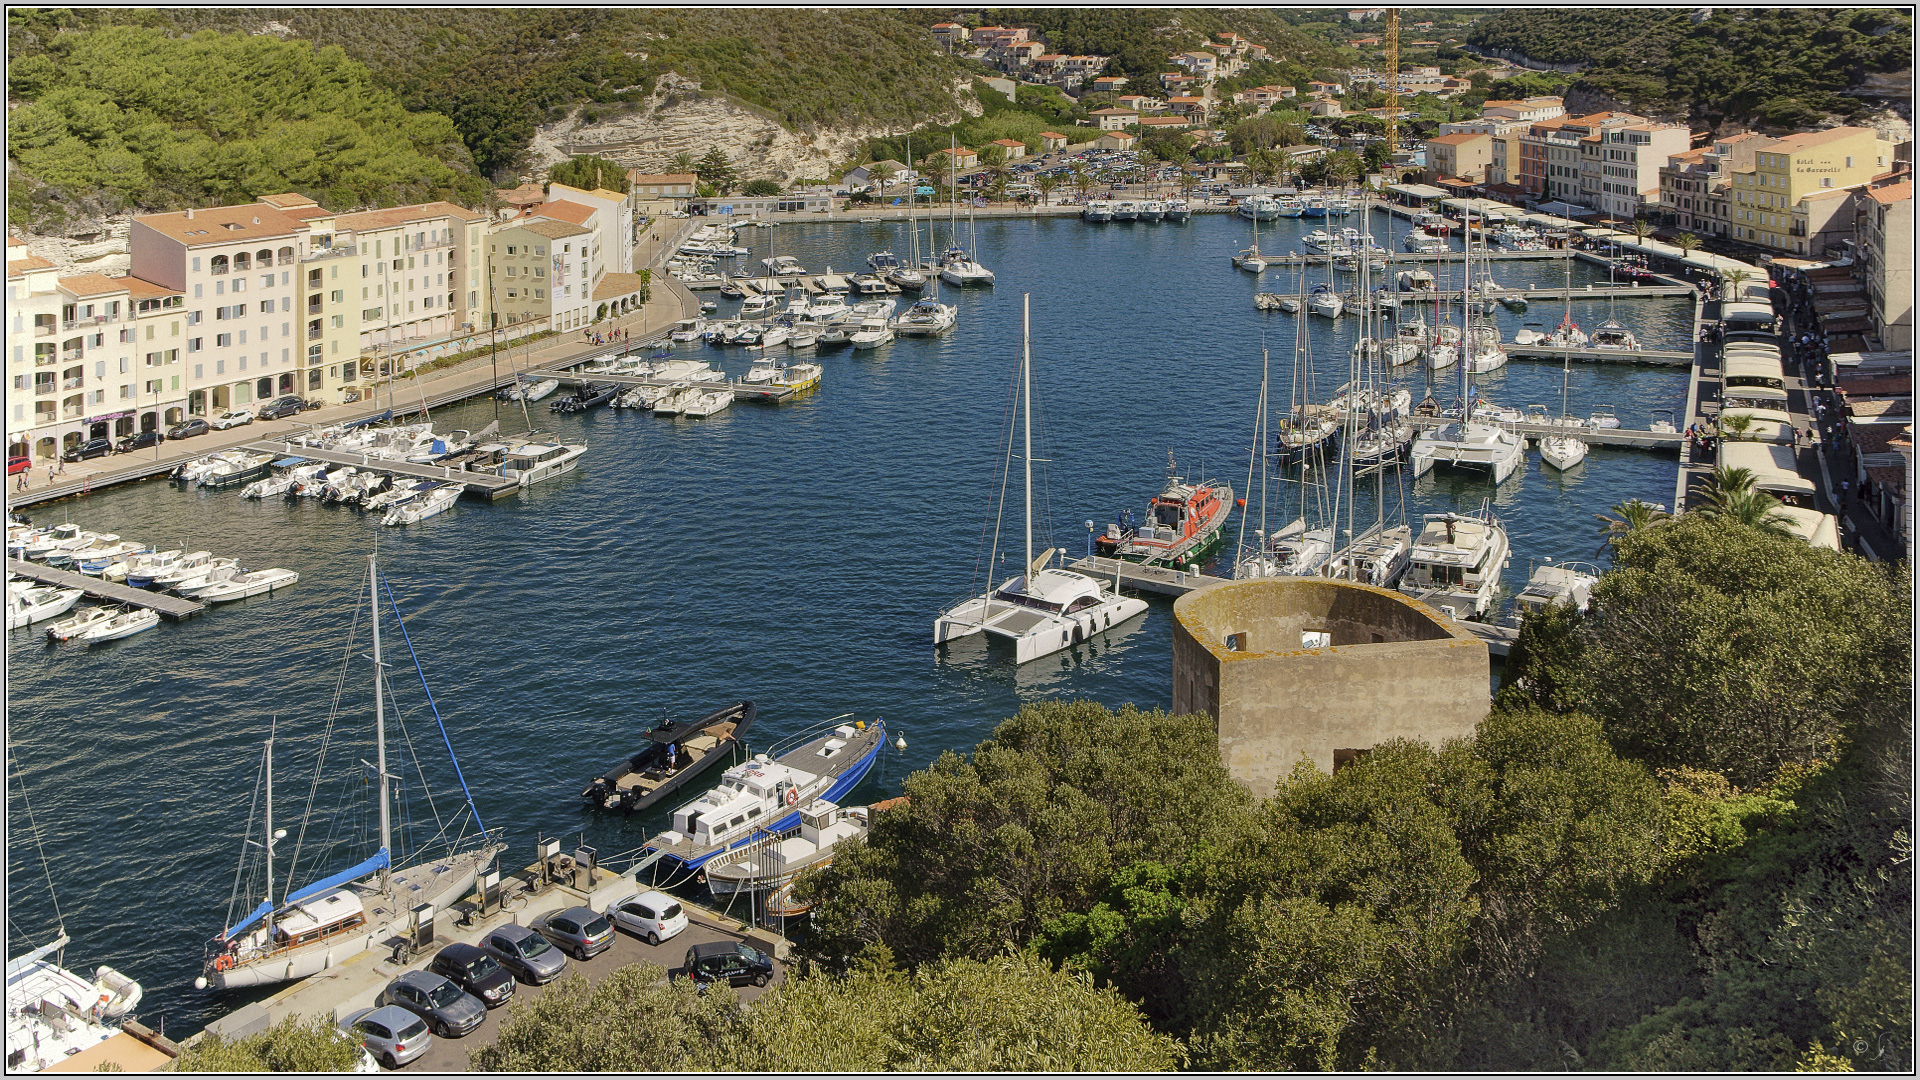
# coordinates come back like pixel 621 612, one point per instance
pixel 1635 438
pixel 1164 580
pixel 172 607
pixel 482 484
pixel 1662 357
pixel 741 391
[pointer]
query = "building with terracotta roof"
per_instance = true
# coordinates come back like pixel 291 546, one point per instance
pixel 1114 119
pixel 1052 140
pixel 534 266
pixel 1014 148
pixel 1884 225
pixel 1787 170
pixel 1462 155
pixel 956 157
pixel 1115 140
pixel 1628 164
pixel 1188 105
pixel 1164 123
pixel 951 34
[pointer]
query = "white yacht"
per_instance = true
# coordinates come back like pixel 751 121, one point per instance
pixel 872 334
pixel 925 318
pixel 1042 610
pixel 1324 301
pixel 1098 210
pixel 531 463
pixel 1178 210
pixel 1152 210
pixel 1258 208
pixel 1444 350
pixel 1125 210
pixel 1554 583
pixel 1611 335
pixel 38 604
pixel 1409 341
pixel 253 583
pixel 1456 562
pixel 1483 348
pixel 58 1020
pixel 687 330
pixel 958 270
pixel 704 403
pixel 426 503
pixel 1562 451
pixel 121 624
pixel 783 266
pixel 1469 444
pixel 754 307
pixel 80 622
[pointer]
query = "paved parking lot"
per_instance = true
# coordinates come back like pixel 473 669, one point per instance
pixel 450 1055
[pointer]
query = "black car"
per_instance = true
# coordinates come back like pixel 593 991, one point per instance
pixel 279 407
pixel 92 448
pixel 139 442
pixel 188 430
pixel 734 961
pixel 474 971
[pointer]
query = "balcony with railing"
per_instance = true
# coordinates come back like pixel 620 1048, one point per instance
pixel 334 252
pixel 73 411
pixel 45 386
pixel 73 384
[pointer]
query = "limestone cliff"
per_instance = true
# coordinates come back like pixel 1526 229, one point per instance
pixel 679 117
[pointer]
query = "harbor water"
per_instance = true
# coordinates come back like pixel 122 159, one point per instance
pixel 794 555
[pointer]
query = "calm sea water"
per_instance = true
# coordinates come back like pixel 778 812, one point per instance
pixel 794 555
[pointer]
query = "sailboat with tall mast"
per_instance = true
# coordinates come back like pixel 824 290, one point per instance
pixel 1043 610
pixel 957 268
pixel 909 277
pixel 1249 258
pixel 1469 443
pixel 1563 450
pixel 305 931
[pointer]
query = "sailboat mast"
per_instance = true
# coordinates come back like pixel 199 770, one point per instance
pixel 380 721
pixel 269 837
pixel 1466 319
pixel 1026 396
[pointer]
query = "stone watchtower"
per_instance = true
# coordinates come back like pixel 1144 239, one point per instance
pixel 1292 667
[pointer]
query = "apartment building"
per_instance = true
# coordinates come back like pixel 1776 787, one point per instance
pixel 1532 110
pixel 1768 201
pixel 34 300
pixel 1114 119
pixel 542 268
pixel 1203 64
pixel 611 220
pixel 993 37
pixel 1627 163
pixel 950 34
pixel 1552 155
pixel 1503 162
pixel 237 270
pixel 1884 217
pixel 1464 156
pixel 1693 185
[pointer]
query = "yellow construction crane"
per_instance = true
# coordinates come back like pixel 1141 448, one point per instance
pixel 1393 86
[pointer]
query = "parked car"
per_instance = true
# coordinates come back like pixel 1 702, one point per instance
pixel 92 448
pixel 527 953
pixel 479 974
pixel 188 429
pixel 734 961
pixel 449 1011
pixel 232 418
pixel 578 930
pixel 139 441
pixel 390 1033
pixel 18 464
pixel 279 407
pixel 651 915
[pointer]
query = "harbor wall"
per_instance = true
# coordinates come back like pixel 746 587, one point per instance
pixel 1390 668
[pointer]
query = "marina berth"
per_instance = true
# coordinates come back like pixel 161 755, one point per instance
pixel 1456 562
pixel 670 756
pixel 773 863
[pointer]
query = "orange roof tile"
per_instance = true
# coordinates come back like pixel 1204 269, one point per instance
pixel 401 215
pixel 31 262
pixel 572 212
pixel 142 289
pixel 1892 193
pixel 85 285
pixel 287 201
pixel 223 224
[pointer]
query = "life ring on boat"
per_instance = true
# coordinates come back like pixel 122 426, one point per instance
pixel 222 962
pixel 793 796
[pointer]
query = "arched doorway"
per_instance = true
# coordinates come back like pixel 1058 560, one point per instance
pixel 124 426
pixel 149 421
pixel 46 448
pixel 197 403
pixel 174 416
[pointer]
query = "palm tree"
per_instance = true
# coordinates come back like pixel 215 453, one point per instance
pixel 1082 180
pixel 1737 427
pixel 1734 279
pixel 683 162
pixel 1641 228
pixel 1630 517
pixel 1045 184
pixel 1687 243
pixel 1756 510
pixel 883 175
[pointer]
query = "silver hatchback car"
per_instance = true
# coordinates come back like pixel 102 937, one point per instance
pixel 527 953
pixel 390 1033
pixel 449 1011
pixel 581 931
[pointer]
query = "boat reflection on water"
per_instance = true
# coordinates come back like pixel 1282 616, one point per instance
pixel 973 658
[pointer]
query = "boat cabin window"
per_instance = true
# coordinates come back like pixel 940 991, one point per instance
pixel 1020 599
pixel 1166 515
pixel 1082 604
pixel 736 821
pixel 753 813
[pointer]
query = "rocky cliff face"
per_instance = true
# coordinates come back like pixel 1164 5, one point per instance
pixel 679 118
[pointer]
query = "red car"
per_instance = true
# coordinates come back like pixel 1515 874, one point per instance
pixel 18 465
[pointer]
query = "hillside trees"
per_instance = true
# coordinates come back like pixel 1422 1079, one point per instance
pixel 134 120
pixel 590 172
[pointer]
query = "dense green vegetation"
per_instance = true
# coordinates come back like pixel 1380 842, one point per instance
pixel 126 118
pixel 1778 69
pixel 290 1046
pixel 1633 864
pixel 590 172
pixel 1007 1013
pixel 498 72
pixel 1139 40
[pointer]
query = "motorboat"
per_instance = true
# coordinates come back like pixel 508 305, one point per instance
pixel 532 462
pixel 426 503
pixel 586 397
pixel 1152 210
pixel 1289 207
pixel 237 468
pixel 300 931
pixel 1422 242
pixel 39 546
pixel 958 270
pixel 763 796
pixel 687 330
pixel 673 398
pixel 756 307
pixel 1042 610
pixel 800 376
pixel 1321 242
pixel 1313 207
pixel 1416 280
pixel 1324 301
pixel 62 554
pixel 218 574
pixel 772 863
pixel 872 334
pixel 1183 525
pixel 94 560
pixel 671 754
pixel 925 318
pixel 1552 584
pixel 1258 208
pixel 803 337
pixel 403 489
pixel 1603 417
pixel 833 337
pixel 1456 563
pixel 866 285
pixel 1178 210
pixel 1125 210
pixel 1097 210
pixel 783 266
pixel 251 583
pixel 774 336
pixel 883 261
pixel 704 403
pixel 81 621
pixel 38 604
pixel 143 569
pixel 191 571
pixel 1662 422
pixel 1524 337
pixel 122 624
pixel 533 391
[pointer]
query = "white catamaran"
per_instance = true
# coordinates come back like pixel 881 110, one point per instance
pixel 308 930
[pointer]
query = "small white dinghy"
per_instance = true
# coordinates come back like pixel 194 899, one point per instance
pixel 707 402
pixel 423 505
pixel 123 624
pixel 401 491
pixel 215 575
pixel 251 583
pixel 78 623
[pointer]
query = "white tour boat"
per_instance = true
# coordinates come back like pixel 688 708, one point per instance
pixel 1456 562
